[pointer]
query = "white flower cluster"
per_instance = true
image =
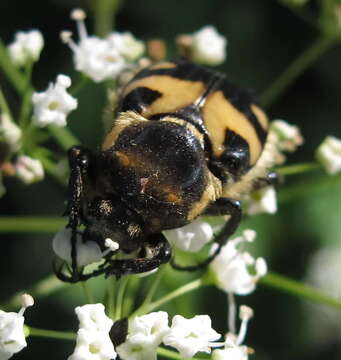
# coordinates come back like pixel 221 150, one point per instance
pixel 101 59
pixel 231 267
pixel 87 252
pixel 12 336
pixel 205 46
pixel 329 154
pixel 147 332
pixel 10 132
pixel 191 237
pixel 53 105
pixel 187 336
pixel 208 46
pixel 26 47
pixel 283 137
pixel 261 201
pixel 93 340
pixel 288 137
pixel 145 335
pixel 324 322
pixel 29 170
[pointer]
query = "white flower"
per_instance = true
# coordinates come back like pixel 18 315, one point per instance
pixel 191 237
pixel 127 45
pixel 92 317
pixel 230 353
pixel 261 201
pixel 152 327
pixel 111 245
pixel 131 350
pixel 208 46
pixel 145 335
pixel 87 252
pixel 233 350
pixel 10 132
pixel 29 170
pixel 93 345
pixel 329 154
pixel 230 267
pixel 288 136
pixel 26 47
pixel 324 322
pixel 190 336
pixel 95 57
pixel 53 105
pixel 12 337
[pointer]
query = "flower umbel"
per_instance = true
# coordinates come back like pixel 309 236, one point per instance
pixel 191 237
pixel 101 59
pixel 145 335
pixel 29 170
pixel 92 317
pixel 26 47
pixel 233 348
pixel 289 136
pixel 93 340
pixel 87 252
pixel 230 267
pixel 329 154
pixel 261 201
pixel 12 337
pixel 208 46
pixel 190 336
pixel 93 345
pixel 10 132
pixel 53 105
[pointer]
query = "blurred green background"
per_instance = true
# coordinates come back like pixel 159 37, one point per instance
pixel 263 38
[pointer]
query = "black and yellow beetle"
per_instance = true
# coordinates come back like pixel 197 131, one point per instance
pixel 185 142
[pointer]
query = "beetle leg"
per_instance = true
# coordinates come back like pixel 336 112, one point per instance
pixel 271 179
pixel 157 251
pixel 79 165
pixel 223 206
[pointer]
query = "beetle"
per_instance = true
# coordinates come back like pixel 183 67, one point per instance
pixel 183 142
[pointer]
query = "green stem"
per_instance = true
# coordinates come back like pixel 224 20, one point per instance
pixel 4 105
pixel 63 136
pixel 26 105
pixel 110 298
pixel 299 289
pixel 13 74
pixel 298 168
pixel 87 293
pixel 31 224
pixel 104 16
pixel 309 187
pixel 41 289
pixel 50 168
pixel 185 289
pixel 295 69
pixel 52 334
pixel 120 295
pixel 172 354
pixel 154 287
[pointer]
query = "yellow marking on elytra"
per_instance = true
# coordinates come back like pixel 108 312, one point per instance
pixel 261 116
pixel 175 93
pixel 124 120
pixel 163 65
pixel 221 116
